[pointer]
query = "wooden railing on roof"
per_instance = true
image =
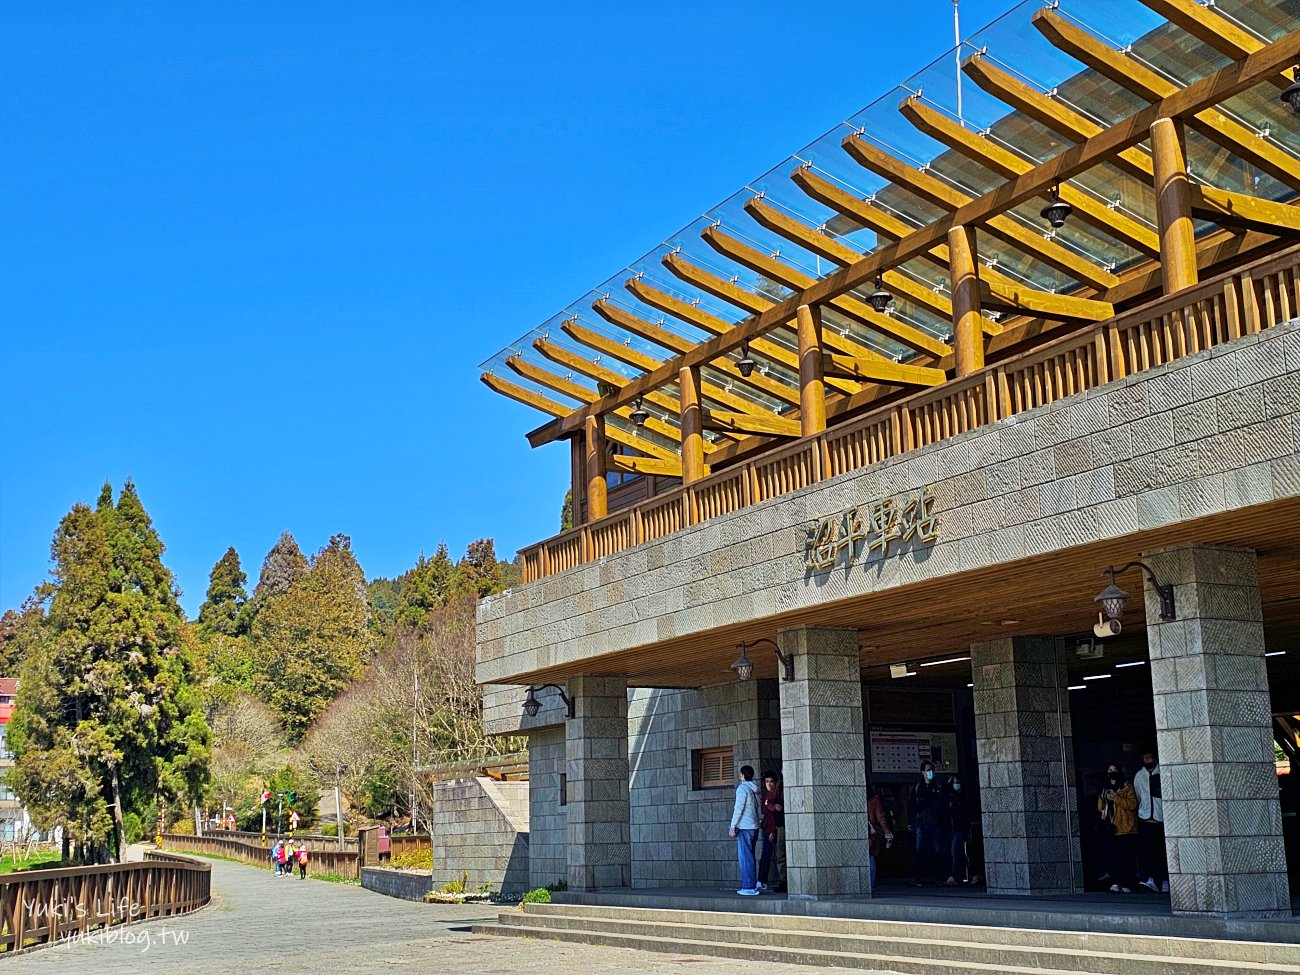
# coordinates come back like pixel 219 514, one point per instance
pixel 46 905
pixel 1255 297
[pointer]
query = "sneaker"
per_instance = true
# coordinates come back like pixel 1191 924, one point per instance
pixel 1151 885
pixel 744 892
pixel 1164 887
pixel 1114 888
pixel 761 887
pixel 1125 890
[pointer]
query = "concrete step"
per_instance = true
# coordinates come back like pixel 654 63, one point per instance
pixel 896 947
pixel 1081 941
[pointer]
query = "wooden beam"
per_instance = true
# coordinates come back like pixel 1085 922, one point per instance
pixel 606 345
pixel 894 373
pixel 628 464
pixel 1011 231
pixel 1044 304
pixel 812 378
pixel 688 391
pixel 968 339
pixel 887 225
pixel 720 288
pixel 1246 212
pixel 1128 132
pixel 763 424
pixel 637 325
pixel 597 487
pixel 1173 206
pixel 1212 28
pixel 852 308
pixel 998 159
pixel 1127 72
pixel 570 360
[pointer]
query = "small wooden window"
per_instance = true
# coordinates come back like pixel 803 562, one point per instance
pixel 564 789
pixel 714 768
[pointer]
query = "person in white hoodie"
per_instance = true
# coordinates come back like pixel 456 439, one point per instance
pixel 1152 862
pixel 746 818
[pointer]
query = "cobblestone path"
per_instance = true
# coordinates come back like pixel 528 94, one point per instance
pixel 258 924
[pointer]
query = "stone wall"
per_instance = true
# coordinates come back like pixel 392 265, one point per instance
pixel 548 824
pixel 480 828
pixel 679 834
pixel 1212 432
pixel 403 884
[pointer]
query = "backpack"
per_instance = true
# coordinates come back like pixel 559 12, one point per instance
pixel 302 855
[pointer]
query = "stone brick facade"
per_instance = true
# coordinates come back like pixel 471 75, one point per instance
pixel 548 821
pixel 403 884
pixel 1223 823
pixel 600 840
pixel 480 829
pixel 1026 764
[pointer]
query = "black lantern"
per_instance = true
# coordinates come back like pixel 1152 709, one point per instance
pixel 746 362
pixel 880 298
pixel 639 413
pixel 532 705
pixel 1057 210
pixel 1113 599
pixel 1292 95
pixel 744 667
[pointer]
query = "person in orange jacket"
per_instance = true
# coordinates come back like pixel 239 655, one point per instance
pixel 1117 805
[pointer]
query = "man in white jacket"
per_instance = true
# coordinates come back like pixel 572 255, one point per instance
pixel 746 818
pixel 1152 861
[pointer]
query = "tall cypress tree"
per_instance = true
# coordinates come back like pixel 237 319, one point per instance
pixel 220 612
pixel 283 566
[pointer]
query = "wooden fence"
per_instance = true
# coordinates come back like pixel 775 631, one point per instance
pixel 41 906
pixel 251 851
pixel 1242 302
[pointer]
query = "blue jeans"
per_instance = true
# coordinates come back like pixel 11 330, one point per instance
pixel 745 854
pixel 929 855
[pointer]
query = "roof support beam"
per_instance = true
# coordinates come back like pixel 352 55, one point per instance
pixel 628 464
pixel 1128 132
pixel 1003 226
pixel 688 392
pixel 765 425
pixel 1212 28
pixel 812 372
pixel 597 485
pixel 1173 206
pixel 967 339
pixel 1044 304
pixel 562 356
pixel 1246 212
pixel 998 159
pixel 858 311
pixel 1129 73
pixel 893 373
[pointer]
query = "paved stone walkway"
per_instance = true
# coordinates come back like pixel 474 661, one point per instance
pixel 258 924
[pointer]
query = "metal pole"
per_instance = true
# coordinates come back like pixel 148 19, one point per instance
pixel 956 41
pixel 415 755
pixel 338 811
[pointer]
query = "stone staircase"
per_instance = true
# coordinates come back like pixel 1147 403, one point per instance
pixel 891 946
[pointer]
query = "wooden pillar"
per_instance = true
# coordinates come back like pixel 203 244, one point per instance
pixel 812 381
pixel 1173 206
pixel 597 491
pixel 688 392
pixel 967 333
pixel 578 477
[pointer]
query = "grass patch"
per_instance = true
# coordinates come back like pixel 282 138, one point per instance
pixel 38 861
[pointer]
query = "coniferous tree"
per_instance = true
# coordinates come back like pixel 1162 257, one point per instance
pixel 284 565
pixel 479 573
pixel 108 719
pixel 425 587
pixel 221 612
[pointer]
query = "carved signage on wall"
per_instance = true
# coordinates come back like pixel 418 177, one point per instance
pixel 871 527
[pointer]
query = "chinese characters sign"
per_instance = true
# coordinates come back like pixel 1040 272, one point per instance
pixel 871 527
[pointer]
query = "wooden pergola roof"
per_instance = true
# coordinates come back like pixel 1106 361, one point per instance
pixel 1062 93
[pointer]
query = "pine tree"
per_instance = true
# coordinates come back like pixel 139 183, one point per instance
pixel 221 611
pixel 425 587
pixel 313 638
pixel 479 573
pixel 284 565
pixel 108 719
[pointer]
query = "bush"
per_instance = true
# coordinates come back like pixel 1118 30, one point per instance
pixel 558 886
pixel 539 895
pixel 455 886
pixel 412 860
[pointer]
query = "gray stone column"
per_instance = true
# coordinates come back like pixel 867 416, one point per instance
pixel 1223 823
pixel 824 765
pixel 1026 759
pixel 600 832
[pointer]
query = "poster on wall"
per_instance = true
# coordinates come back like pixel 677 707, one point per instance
pixel 903 751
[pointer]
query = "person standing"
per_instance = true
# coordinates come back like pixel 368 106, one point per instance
pixel 773 834
pixel 924 819
pixel 746 818
pixel 302 862
pixel 879 835
pixel 282 858
pixel 1153 863
pixel 1118 805
pixel 957 819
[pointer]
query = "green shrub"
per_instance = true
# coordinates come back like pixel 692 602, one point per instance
pixel 538 896
pixel 455 886
pixel 558 886
pixel 412 860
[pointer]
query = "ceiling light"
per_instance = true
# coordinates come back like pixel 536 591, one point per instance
pixel 1292 95
pixel 1097 677
pixel 1276 653
pixel 949 660
pixel 639 413
pixel 880 298
pixel 1077 687
pixel 1057 210
pixel 1132 663
pixel 745 364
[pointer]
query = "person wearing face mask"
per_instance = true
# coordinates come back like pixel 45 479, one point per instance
pixel 957 816
pixel 1152 861
pixel 924 820
pixel 1118 805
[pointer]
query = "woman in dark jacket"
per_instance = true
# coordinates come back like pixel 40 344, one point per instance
pixel 926 818
pixel 957 816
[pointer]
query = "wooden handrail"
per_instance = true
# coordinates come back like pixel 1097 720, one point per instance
pixel 1256 296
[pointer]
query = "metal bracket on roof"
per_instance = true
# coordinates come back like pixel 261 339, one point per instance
pixel 695 302
pixel 871 199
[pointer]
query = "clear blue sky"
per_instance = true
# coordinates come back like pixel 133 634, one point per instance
pixel 253 252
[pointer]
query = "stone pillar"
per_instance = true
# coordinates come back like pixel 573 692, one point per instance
pixel 1223 823
pixel 824 765
pixel 600 832
pixel 1026 760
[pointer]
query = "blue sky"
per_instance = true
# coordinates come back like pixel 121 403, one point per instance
pixel 254 252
